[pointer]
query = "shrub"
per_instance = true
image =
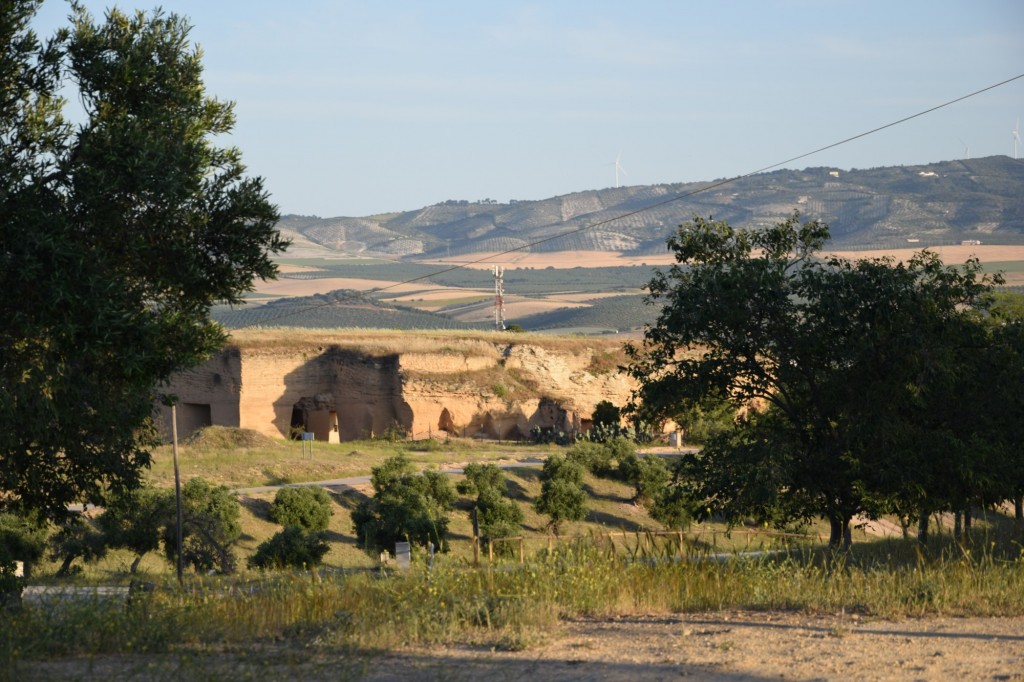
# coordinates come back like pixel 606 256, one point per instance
pixel 545 436
pixel 481 477
pixel 672 508
pixel 496 515
pixel 621 448
pixel 561 493
pixel 594 457
pixel 559 467
pixel 308 508
pixel 133 520
pixel 648 475
pixel 405 507
pixel 702 421
pixel 78 537
pixel 394 433
pixel 606 414
pixel 210 527
pixel 22 538
pixel 292 547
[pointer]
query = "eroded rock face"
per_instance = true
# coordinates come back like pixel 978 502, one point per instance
pixel 344 388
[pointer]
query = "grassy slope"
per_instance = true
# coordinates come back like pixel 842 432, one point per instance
pixel 243 459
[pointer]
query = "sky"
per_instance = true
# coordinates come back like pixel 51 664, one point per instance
pixel 360 108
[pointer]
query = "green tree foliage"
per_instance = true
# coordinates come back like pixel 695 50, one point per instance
pixel 116 238
pixel 705 419
pixel 673 507
pixel 606 422
pixel 496 515
pixel 606 414
pixel 1000 400
pixel 307 507
pixel 22 538
pixel 210 523
pixel 405 507
pixel 648 476
pixel 292 547
pixel 135 520
pixel 77 538
pixel 562 497
pixel 594 456
pixel 847 370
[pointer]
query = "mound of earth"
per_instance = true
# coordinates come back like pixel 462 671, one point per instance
pixel 227 437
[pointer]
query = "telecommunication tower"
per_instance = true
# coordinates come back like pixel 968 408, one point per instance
pixel 499 298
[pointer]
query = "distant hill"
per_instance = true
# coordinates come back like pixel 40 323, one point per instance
pixel 939 203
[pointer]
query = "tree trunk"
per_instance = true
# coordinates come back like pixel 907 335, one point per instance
pixel 135 564
pixel 958 526
pixel 1018 509
pixel 65 567
pixel 839 533
pixel 922 529
pixel 967 522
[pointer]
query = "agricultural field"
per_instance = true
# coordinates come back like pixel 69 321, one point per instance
pixel 587 293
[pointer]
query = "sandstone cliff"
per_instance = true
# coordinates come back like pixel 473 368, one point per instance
pixel 344 385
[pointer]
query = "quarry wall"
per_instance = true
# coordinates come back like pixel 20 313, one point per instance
pixel 348 387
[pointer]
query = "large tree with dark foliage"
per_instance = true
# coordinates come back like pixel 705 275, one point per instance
pixel 844 374
pixel 117 235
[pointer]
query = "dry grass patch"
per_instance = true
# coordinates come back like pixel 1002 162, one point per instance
pixel 389 342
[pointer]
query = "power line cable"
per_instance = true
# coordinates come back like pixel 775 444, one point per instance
pixel 629 214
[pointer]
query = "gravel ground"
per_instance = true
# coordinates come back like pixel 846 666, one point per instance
pixel 732 646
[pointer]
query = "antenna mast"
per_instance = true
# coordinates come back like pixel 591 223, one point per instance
pixel 499 298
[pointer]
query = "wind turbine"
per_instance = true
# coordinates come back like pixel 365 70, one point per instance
pixel 967 149
pixel 618 168
pixel 1016 138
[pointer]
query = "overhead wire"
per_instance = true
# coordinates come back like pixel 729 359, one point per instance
pixel 590 226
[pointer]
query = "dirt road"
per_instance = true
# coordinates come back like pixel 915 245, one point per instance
pixel 724 647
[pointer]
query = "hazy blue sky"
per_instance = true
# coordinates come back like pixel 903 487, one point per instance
pixel 354 108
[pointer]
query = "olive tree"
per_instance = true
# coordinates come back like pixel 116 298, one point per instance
pixel 406 506
pixel 496 515
pixel 562 497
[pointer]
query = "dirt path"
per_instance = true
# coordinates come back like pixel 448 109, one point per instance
pixel 743 646
pixel 732 647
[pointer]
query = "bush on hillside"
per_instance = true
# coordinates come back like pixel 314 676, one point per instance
pixel 497 516
pixel 562 497
pixel 592 456
pixel 648 476
pixel 210 527
pixel 308 508
pixel 292 547
pixel 405 507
